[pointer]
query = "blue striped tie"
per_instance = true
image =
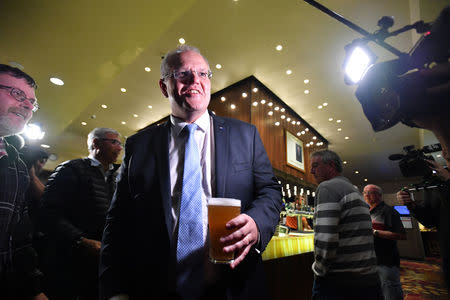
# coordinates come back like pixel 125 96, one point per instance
pixel 190 226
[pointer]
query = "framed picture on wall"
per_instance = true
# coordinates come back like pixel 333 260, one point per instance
pixel 294 152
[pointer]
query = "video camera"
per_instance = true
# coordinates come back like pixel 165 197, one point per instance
pixel 414 162
pixel 391 91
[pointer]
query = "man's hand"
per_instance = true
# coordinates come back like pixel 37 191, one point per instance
pixel 91 247
pixel 441 172
pixel 241 240
pixel 40 296
pixel 405 198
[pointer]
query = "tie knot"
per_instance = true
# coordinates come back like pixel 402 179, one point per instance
pixel 191 128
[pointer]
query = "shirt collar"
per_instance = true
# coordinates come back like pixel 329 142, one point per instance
pixel 203 123
pixel 95 162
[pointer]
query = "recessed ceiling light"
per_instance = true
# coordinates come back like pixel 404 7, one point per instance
pixel 255 103
pixel 147 69
pixel 123 122
pixel 244 95
pixel 346 138
pixel 279 48
pixel 306 81
pixel 299 133
pixel 288 72
pixel 270 104
pixel 123 90
pixel 306 92
pixel 365 179
pixel 282 109
pixel 83 123
pixel 314 137
pixel 283 117
pixel 150 106
pixel 182 41
pixel 344 162
pixel 45 146
pixel 306 129
pixel 223 99
pixel 56 81
pixel 356 172
pixel 104 106
pixel 233 106
pixel 293 122
pixel 218 66
pixel 325 104
pixel 303 132
pixel 338 121
pixel 339 129
pixel 277 123
pixel 255 90
pixel 320 107
pixel 135 115
pixel 298 123
pixel 288 119
pixel 270 113
pixel 330 119
pixel 263 101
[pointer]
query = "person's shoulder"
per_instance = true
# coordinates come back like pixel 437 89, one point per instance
pixel 232 122
pixel 147 132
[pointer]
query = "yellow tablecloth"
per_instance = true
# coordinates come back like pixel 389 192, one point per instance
pixel 288 245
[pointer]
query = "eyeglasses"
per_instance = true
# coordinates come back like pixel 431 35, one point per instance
pixel 371 193
pixel 20 96
pixel 113 141
pixel 184 74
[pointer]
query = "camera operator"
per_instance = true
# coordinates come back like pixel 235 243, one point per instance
pixel 429 109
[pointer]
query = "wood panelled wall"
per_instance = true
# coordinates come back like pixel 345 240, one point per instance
pixel 254 107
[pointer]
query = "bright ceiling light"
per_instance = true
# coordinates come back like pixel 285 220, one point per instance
pixel 270 113
pixel 255 90
pixel 83 123
pixel 306 92
pixel 147 69
pixel 279 48
pixel 104 106
pixel 339 129
pixel 223 99
pixel 150 106
pixel 320 107
pixel 219 66
pixel 123 90
pixel 233 106
pixel 330 119
pixel 338 121
pixel 346 138
pixel 357 61
pixel 45 146
pixel 244 95
pixel 277 123
pixel 306 81
pixel 325 104
pixel 263 101
pixel 182 41
pixel 123 122
pixel 356 172
pixel 289 72
pixel 33 132
pixel 255 103
pixel 135 115
pixel 56 81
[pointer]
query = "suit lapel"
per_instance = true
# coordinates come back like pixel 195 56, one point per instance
pixel 163 170
pixel 221 140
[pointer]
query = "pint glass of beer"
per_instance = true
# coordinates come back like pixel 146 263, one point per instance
pixel 220 211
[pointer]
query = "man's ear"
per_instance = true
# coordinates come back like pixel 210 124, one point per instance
pixel 95 143
pixel 163 87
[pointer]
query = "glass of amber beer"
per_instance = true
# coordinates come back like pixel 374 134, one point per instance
pixel 220 211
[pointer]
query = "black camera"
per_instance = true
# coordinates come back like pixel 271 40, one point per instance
pixel 414 161
pixel 389 92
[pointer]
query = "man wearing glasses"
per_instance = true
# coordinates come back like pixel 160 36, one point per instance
pixel 19 276
pixel 74 205
pixel 145 252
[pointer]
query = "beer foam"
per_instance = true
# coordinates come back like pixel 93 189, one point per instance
pixel 224 201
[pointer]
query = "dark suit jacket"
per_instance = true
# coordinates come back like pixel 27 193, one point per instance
pixel 137 238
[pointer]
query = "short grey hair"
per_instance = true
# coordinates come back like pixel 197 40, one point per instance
pixel 329 156
pixel 168 59
pixel 98 133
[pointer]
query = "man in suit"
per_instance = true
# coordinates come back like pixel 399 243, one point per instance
pixel 139 256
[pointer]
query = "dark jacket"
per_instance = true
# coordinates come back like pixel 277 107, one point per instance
pixel 18 260
pixel 136 244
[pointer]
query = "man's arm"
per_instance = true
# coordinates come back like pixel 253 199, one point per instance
pixel 397 231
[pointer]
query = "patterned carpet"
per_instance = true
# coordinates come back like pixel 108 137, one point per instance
pixel 422 280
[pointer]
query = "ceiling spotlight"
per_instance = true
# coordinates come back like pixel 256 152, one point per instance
pixel 255 90
pixel 288 72
pixel 320 107
pixel 344 162
pixel 263 101
pixel 325 104
pixel 277 108
pixel 219 66
pixel 365 179
pixel 306 81
pixel 135 115
pixel 338 121
pixel 299 133
pixel 346 138
pixel 270 113
pixel 45 146
pixel 306 129
pixel 282 109
pixel 306 92
pixel 150 106
pixel 283 117
pixel 255 103
pixel 244 95
pixel 104 106
pixel 56 81
pixel 288 119
pixel 123 90
pixel 279 48
pixel 277 123
pixel 330 119
pixel 147 69
pixel 270 104
pixel 233 106
pixel 181 41
pixel 223 99
pixel 356 172
pixel 83 123
pixel 339 129
pixel 298 123
pixel 123 122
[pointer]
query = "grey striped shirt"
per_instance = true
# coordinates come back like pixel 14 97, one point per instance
pixel 343 240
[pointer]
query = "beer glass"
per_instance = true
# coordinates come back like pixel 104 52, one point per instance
pixel 220 211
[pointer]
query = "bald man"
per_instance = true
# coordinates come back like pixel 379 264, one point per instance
pixel 387 229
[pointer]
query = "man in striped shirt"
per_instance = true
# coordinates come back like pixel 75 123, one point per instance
pixel 344 256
